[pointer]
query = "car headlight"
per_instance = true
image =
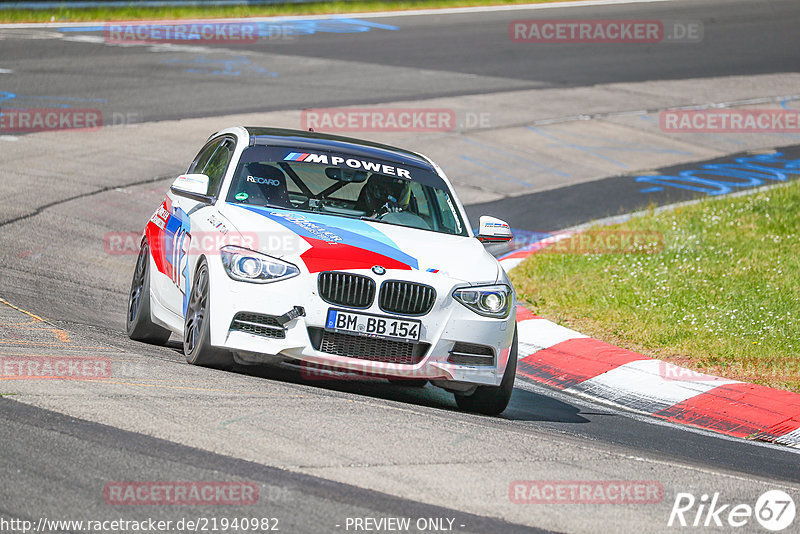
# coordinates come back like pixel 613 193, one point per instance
pixel 490 301
pixel 250 266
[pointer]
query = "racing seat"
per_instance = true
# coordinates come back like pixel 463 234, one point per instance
pixel 265 184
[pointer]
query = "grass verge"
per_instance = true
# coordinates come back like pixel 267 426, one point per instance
pixel 722 296
pixel 134 12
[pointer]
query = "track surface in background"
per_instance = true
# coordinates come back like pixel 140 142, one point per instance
pixel 367 60
pixel 320 452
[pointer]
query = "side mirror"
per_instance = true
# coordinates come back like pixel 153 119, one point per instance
pixel 194 186
pixel 492 230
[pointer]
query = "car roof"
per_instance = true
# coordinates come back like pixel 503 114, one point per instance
pixel 314 141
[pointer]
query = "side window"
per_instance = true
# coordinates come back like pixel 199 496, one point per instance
pixel 216 166
pixel 447 212
pixel 423 210
pixel 202 158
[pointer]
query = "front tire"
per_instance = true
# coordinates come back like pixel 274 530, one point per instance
pixel 492 400
pixel 197 326
pixel 138 324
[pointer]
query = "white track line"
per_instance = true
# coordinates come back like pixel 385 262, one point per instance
pixel 539 334
pixel 640 385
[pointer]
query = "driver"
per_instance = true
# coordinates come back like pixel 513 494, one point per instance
pixel 383 194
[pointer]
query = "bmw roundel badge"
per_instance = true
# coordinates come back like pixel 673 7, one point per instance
pixel 379 270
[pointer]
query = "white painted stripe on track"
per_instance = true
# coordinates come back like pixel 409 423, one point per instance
pixel 641 385
pixel 376 14
pixel 510 263
pixel 95 39
pixel 537 334
pixel 792 439
pixel 587 403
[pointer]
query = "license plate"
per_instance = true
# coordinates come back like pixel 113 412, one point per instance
pixel 378 326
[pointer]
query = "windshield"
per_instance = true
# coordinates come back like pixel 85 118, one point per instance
pixel 355 187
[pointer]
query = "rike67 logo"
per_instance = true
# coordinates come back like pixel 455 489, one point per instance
pixel 774 510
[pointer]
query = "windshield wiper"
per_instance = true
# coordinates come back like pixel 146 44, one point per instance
pixel 373 219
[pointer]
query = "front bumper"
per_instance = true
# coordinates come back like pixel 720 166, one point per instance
pixel 446 324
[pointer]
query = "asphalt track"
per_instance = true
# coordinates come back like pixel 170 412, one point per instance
pixel 574 205
pixel 35 438
pixel 322 452
pixel 401 58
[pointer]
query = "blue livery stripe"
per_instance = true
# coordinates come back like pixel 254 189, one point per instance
pixel 353 232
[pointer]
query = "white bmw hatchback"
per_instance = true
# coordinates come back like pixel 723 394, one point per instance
pixel 340 256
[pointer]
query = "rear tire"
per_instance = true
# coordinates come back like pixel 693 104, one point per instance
pixel 138 324
pixel 197 326
pixel 492 400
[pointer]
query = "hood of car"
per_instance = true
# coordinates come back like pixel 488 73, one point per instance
pixel 322 242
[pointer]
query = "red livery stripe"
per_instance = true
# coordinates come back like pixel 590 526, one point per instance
pixel 155 238
pixel 324 256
